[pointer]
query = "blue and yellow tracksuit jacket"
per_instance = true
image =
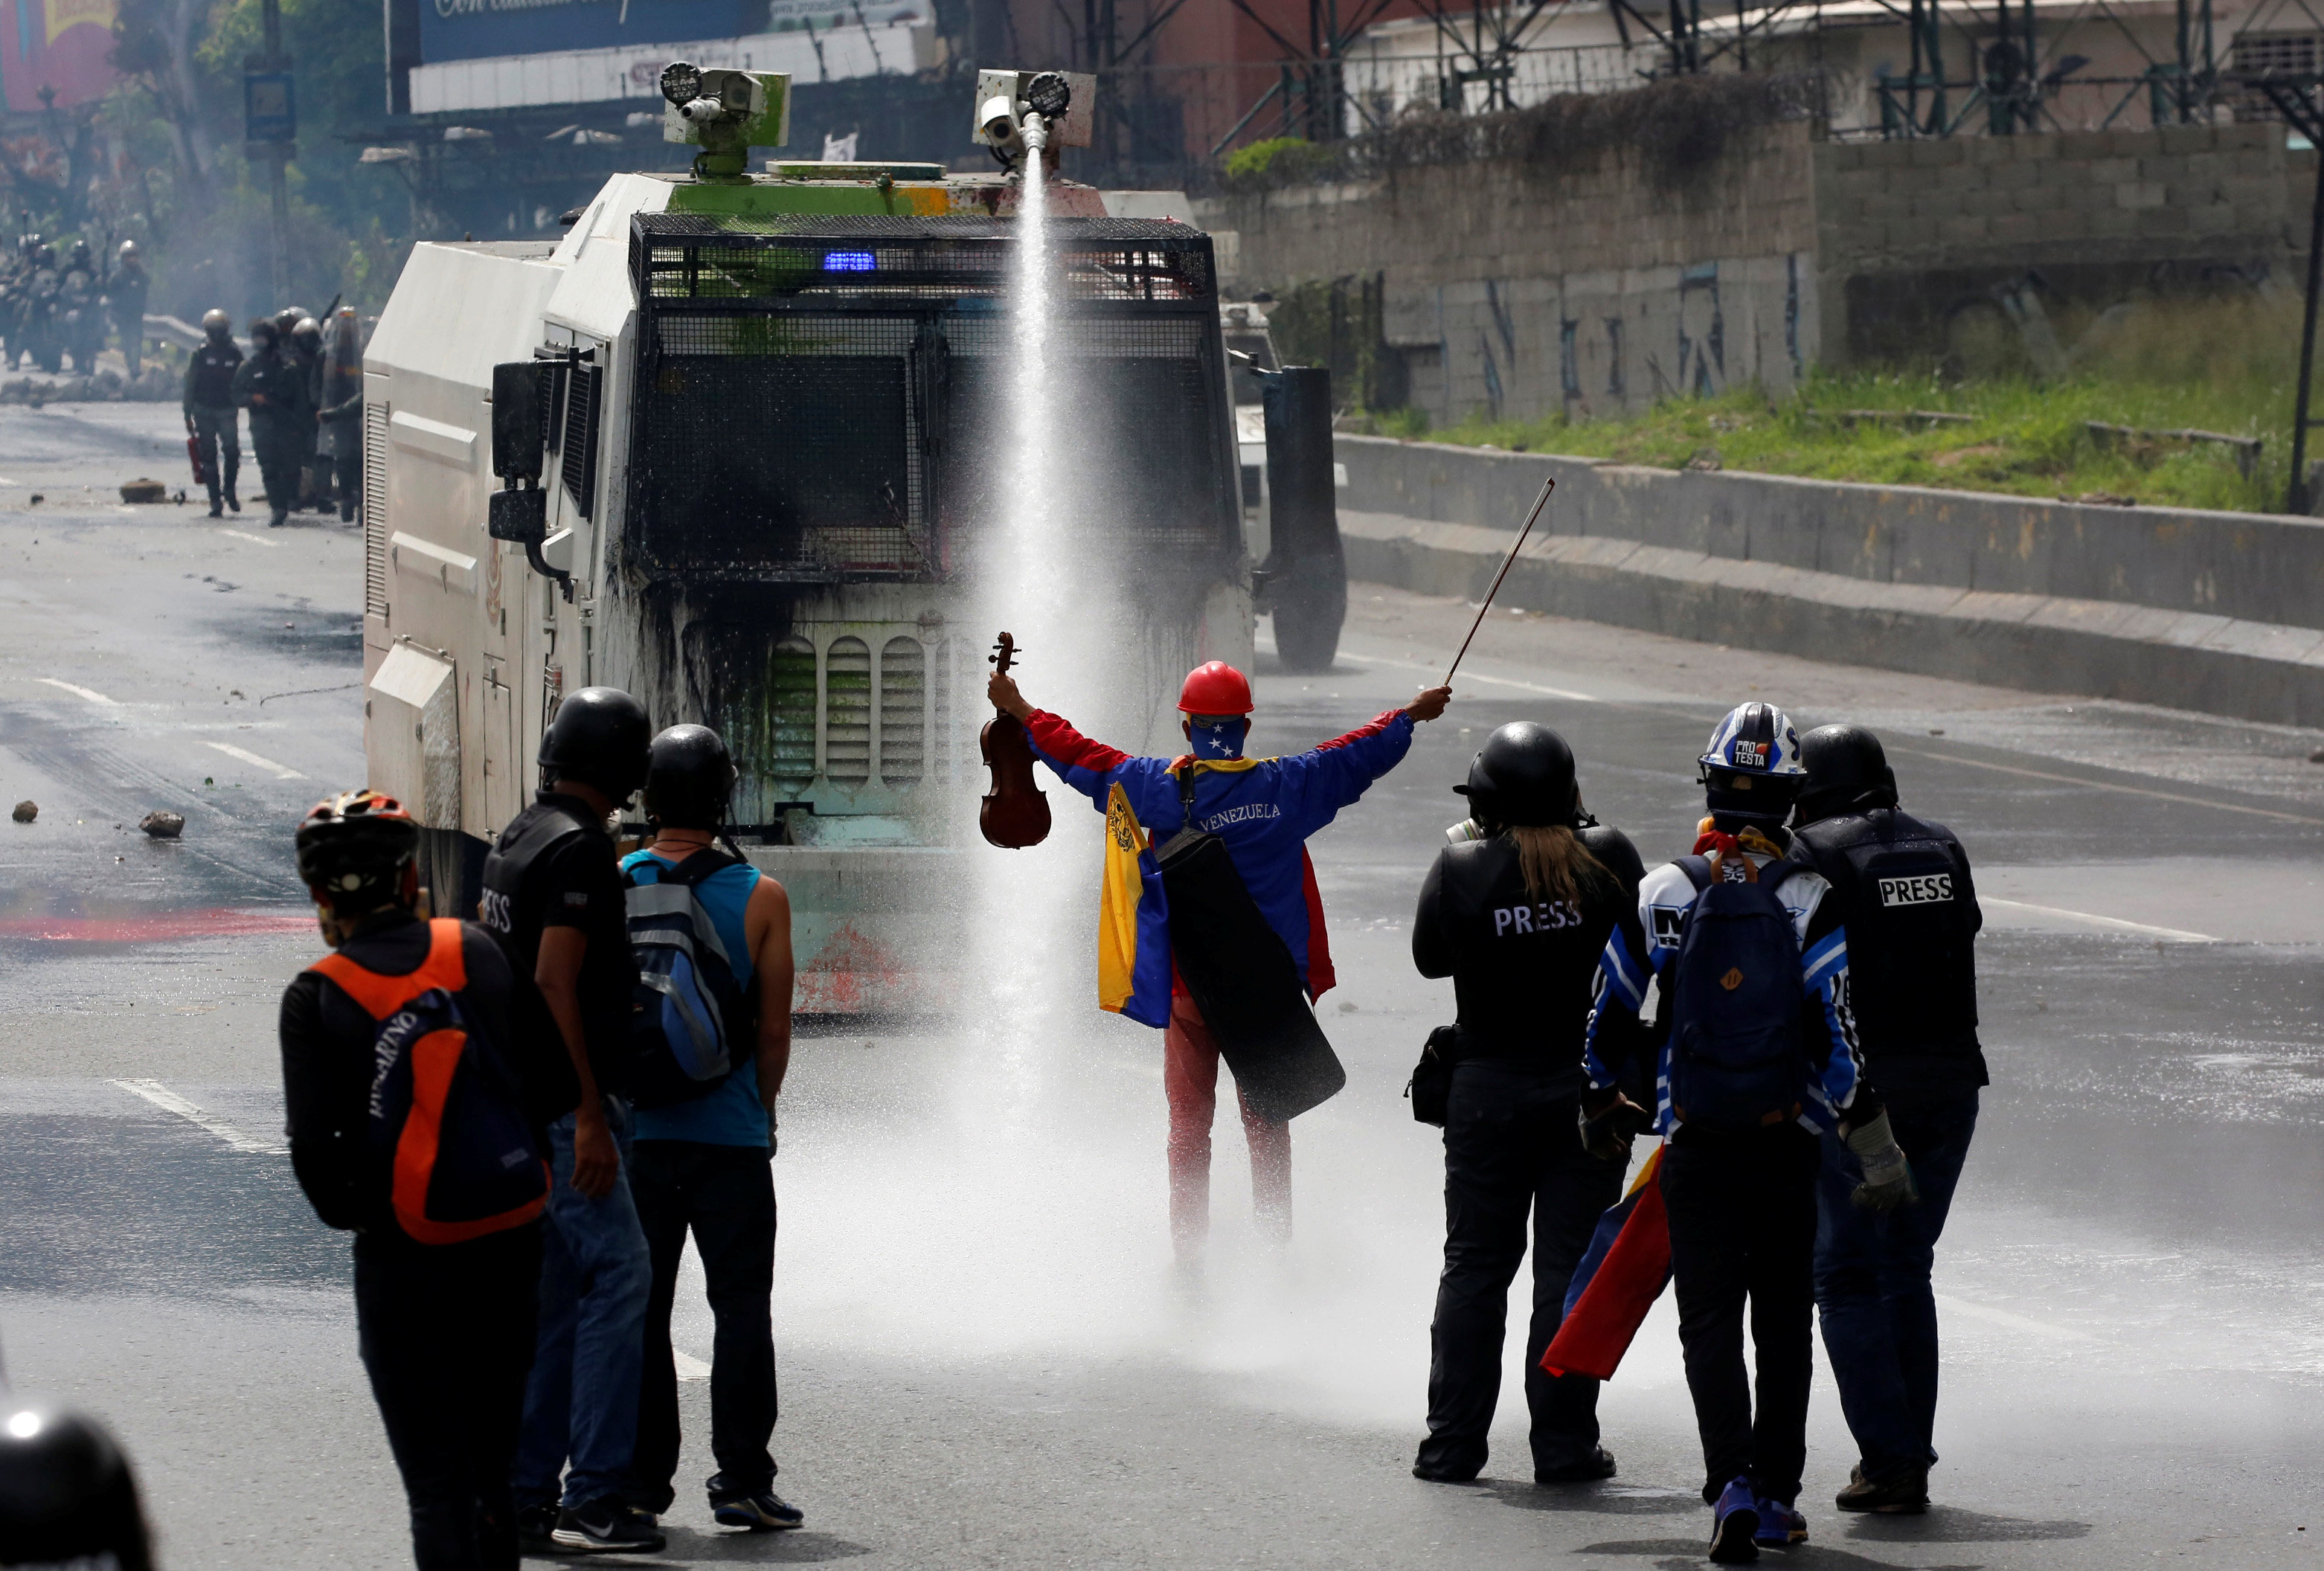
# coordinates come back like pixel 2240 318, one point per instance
pixel 1264 809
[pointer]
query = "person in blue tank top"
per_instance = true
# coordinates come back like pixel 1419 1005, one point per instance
pixel 702 1164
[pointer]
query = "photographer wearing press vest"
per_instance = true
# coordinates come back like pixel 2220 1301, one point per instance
pixel 1904 886
pixel 1516 916
pixel 553 897
pixel 1757 1058
pixel 401 1036
pixel 712 937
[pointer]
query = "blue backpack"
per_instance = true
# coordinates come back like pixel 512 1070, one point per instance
pixel 1736 1058
pixel 690 1012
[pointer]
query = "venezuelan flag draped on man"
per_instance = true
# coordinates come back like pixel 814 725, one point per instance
pixel 1263 810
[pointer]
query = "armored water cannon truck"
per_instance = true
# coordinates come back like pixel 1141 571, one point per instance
pixel 733 444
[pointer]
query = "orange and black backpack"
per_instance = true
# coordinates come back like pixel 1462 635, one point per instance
pixel 450 1144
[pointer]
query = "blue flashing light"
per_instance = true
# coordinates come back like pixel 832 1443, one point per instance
pixel 849 261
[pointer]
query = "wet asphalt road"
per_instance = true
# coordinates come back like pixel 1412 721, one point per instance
pixel 986 1359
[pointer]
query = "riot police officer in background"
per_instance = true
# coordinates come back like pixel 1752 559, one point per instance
pixel 272 386
pixel 1517 918
pixel 1912 916
pixel 211 418
pixel 124 293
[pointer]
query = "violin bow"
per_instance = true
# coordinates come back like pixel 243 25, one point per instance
pixel 1539 502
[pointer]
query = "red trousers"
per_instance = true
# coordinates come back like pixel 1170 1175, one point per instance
pixel 1190 1078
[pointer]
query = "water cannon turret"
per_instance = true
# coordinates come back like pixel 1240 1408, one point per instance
pixel 725 112
pixel 1063 99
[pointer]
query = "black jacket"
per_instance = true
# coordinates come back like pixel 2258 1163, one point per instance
pixel 209 374
pixel 555 867
pixel 1522 969
pixel 1903 887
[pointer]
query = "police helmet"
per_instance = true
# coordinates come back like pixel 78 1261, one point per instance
pixel 1751 770
pixel 353 848
pixel 307 331
pixel 689 778
pixel 1524 775
pixel 129 251
pixel 598 737
pixel 217 323
pixel 1846 770
pixel 262 332
pixel 67 1496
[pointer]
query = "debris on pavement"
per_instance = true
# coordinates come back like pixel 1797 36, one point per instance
pixel 27 811
pixel 164 824
pixel 143 491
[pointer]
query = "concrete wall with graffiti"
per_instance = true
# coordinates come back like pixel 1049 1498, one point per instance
pixel 1598 283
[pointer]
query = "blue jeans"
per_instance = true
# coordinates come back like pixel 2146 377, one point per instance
pixel 1872 1284
pixel 581 1401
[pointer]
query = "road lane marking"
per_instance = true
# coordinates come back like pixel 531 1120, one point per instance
pixel 254 539
pixel 2014 1322
pixel 2110 785
pixel 1473 675
pixel 2112 923
pixel 80 691
pixel 689 1366
pixel 168 1101
pixel 280 771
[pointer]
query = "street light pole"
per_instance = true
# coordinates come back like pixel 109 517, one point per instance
pixel 2300 110
pixel 271 133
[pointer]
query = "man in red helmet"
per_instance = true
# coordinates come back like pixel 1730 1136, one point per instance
pixel 1264 809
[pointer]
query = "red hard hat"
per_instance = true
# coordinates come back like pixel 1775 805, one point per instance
pixel 1215 688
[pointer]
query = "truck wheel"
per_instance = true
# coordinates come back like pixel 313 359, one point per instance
pixel 1311 602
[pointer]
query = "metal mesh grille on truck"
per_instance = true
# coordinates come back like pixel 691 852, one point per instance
pixel 821 398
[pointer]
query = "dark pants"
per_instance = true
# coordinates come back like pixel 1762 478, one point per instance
pixel 215 429
pixel 726 1194
pixel 446 1338
pixel 1872 1284
pixel 343 465
pixel 281 454
pixel 1742 1225
pixel 1512 1149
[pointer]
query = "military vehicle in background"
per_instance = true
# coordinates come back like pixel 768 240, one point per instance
pixel 732 444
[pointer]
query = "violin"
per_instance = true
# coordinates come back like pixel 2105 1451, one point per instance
pixel 1015 813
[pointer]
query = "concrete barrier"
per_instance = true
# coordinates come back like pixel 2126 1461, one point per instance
pixel 2254 566
pixel 2212 611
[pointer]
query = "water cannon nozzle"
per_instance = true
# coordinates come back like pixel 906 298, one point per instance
pixel 702 112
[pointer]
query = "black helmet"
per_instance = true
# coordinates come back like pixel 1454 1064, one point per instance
pixel 599 739
pixel 1846 770
pixel 262 332
pixel 689 778
pixel 67 1496
pixel 353 848
pixel 1525 776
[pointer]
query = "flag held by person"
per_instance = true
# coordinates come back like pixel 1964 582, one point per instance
pixel 1624 1271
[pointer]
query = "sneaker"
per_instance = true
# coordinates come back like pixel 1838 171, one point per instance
pixel 764 1512
pixel 1734 1522
pixel 606 1524
pixel 1907 1494
pixel 536 1527
pixel 1598 1465
pixel 1780 1527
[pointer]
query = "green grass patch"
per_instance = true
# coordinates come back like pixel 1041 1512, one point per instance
pixel 2225 366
